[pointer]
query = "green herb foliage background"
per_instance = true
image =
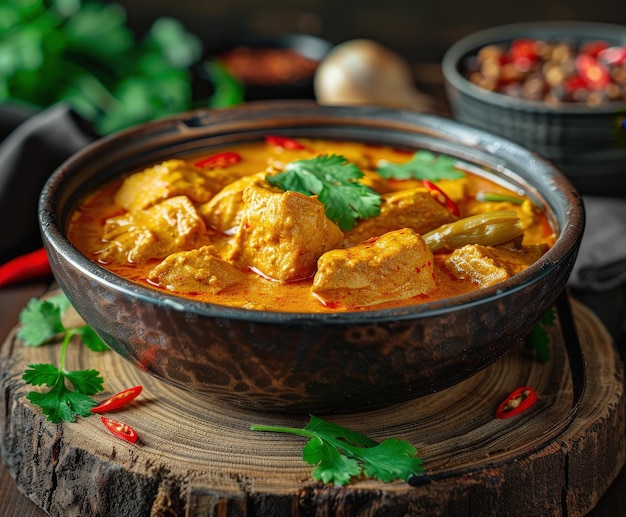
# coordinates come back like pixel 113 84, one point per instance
pixel 83 53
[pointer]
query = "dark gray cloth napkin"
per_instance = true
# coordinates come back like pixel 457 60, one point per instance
pixel 601 262
pixel 39 143
pixel 33 149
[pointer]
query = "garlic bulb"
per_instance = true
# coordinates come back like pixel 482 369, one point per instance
pixel 363 72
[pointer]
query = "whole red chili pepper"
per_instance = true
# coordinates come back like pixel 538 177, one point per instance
pixel 120 429
pixel 118 400
pixel 517 402
pixel 219 160
pixel 442 197
pixel 284 142
pixel 25 267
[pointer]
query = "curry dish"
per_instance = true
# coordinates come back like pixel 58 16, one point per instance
pixel 311 225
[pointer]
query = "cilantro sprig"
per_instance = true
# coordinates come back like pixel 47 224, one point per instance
pixel 423 165
pixel 539 338
pixel 341 454
pixel 70 391
pixel 334 180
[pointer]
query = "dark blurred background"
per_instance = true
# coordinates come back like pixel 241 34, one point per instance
pixel 420 31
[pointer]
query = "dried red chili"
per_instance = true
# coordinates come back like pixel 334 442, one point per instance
pixel 118 400
pixel 120 429
pixel 517 402
pixel 593 73
pixel 25 267
pixel 218 160
pixel 553 71
pixel 442 197
pixel 524 53
pixel 284 142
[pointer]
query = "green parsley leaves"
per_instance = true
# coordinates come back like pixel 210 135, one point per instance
pixel 334 180
pixel 423 165
pixel 70 391
pixel 341 454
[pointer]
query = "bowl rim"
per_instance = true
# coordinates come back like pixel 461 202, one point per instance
pixel 551 29
pixel 567 243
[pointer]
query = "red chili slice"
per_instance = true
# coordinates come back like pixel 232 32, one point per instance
pixel 118 400
pixel 120 429
pixel 594 73
pixel 218 160
pixel 517 402
pixel 442 197
pixel 284 142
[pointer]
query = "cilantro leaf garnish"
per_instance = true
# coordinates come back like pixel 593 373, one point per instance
pixel 70 391
pixel 91 339
pixel 423 165
pixel 41 320
pixel 60 402
pixel 341 454
pixel 334 180
pixel 539 339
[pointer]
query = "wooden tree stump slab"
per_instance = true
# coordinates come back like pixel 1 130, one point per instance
pixel 199 457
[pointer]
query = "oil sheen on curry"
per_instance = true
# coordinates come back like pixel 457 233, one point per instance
pixel 311 225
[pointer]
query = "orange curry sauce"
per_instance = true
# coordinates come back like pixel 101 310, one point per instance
pixel 85 228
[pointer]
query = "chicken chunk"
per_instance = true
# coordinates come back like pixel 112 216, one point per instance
pixel 415 208
pixel 197 271
pixel 223 211
pixel 170 226
pixel 518 259
pixel 282 234
pixel 168 179
pixel 395 266
pixel 487 266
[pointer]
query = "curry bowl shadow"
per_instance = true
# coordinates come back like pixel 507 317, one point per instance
pixel 299 362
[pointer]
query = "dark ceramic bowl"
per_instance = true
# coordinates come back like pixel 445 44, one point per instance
pixel 587 143
pixel 284 83
pixel 309 362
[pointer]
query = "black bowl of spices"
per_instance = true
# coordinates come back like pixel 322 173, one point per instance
pixel 557 88
pixel 273 66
